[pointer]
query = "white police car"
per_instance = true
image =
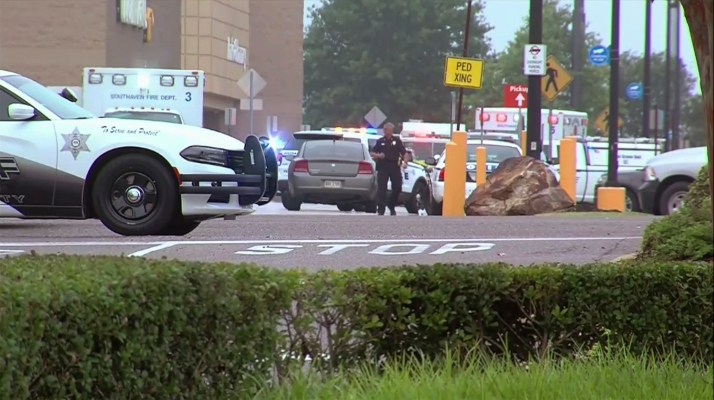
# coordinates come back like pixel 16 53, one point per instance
pixel 138 177
pixel 496 151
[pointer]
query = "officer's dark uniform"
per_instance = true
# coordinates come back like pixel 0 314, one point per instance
pixel 388 169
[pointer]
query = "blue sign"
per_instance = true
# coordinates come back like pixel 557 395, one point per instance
pixel 599 56
pixel 634 91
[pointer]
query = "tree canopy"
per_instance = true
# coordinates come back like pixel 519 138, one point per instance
pixel 364 53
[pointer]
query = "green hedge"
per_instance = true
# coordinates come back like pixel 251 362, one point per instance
pixel 699 189
pixel 103 327
pixel 121 328
pixel 687 234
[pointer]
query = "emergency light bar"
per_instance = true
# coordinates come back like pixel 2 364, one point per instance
pixel 425 135
pixel 338 129
pixel 96 78
pixel 503 117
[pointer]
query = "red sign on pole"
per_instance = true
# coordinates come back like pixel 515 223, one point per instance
pixel 515 96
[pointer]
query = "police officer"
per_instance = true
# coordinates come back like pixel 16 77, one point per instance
pixel 387 153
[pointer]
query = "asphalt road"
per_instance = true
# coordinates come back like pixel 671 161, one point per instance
pixel 322 237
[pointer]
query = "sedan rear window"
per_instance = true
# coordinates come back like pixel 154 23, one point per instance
pixel 344 150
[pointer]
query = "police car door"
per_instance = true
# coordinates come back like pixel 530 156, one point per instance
pixel 28 161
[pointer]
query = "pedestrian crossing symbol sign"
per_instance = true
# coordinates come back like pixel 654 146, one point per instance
pixel 602 123
pixel 555 80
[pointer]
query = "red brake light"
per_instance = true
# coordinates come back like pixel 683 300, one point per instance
pixel 553 120
pixel 441 174
pixel 501 117
pixel 300 166
pixel 485 117
pixel 365 168
pixel 585 122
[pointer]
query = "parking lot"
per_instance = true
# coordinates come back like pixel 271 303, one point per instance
pixel 322 237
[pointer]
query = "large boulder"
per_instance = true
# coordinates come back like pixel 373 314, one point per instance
pixel 519 186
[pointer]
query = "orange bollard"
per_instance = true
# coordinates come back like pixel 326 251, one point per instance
pixel 480 165
pixel 568 166
pixel 524 142
pixel 455 176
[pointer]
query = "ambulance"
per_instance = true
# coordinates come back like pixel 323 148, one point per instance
pixel 555 124
pixel 166 95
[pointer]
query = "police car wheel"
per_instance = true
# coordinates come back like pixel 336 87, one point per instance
pixel 433 208
pixel 179 228
pixel 631 202
pixel 135 195
pixel 672 199
pixel 371 207
pixel 417 200
pixel 289 202
pixel 344 207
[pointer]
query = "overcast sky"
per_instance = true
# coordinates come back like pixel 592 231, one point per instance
pixel 597 16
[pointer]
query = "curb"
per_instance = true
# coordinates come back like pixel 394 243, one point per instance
pixel 626 257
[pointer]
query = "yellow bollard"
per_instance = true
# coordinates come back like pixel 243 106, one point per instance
pixel 568 166
pixel 461 138
pixel 455 176
pixel 480 165
pixel 524 142
pixel 611 199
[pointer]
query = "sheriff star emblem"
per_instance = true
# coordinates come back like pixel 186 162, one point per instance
pixel 75 143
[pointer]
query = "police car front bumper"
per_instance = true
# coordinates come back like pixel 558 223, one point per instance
pixel 253 182
pixel 647 196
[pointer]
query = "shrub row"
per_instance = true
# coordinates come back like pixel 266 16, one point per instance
pixel 102 327
pixel 687 234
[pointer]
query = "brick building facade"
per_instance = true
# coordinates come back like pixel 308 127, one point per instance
pixel 51 41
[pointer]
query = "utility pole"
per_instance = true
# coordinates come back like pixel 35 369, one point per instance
pixel 578 54
pixel 668 82
pixel 613 132
pixel 535 36
pixel 676 16
pixel 647 89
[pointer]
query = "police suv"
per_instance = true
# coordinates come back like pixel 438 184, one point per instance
pixel 138 177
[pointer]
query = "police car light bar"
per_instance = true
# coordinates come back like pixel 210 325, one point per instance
pixel 371 131
pixel 425 135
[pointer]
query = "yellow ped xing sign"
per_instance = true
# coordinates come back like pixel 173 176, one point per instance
pixel 555 80
pixel 462 72
pixel 602 122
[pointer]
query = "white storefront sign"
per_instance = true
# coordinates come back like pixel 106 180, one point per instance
pixel 236 53
pixel 133 12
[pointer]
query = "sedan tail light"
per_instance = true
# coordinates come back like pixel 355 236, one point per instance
pixel 280 158
pixel 300 166
pixel 441 174
pixel 365 168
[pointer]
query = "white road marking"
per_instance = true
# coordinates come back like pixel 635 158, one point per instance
pixel 386 249
pixel 334 248
pixel 8 252
pixel 142 253
pixel 316 241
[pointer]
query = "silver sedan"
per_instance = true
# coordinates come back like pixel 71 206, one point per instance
pixel 335 172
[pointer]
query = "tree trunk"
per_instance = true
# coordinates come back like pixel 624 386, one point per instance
pixel 700 17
